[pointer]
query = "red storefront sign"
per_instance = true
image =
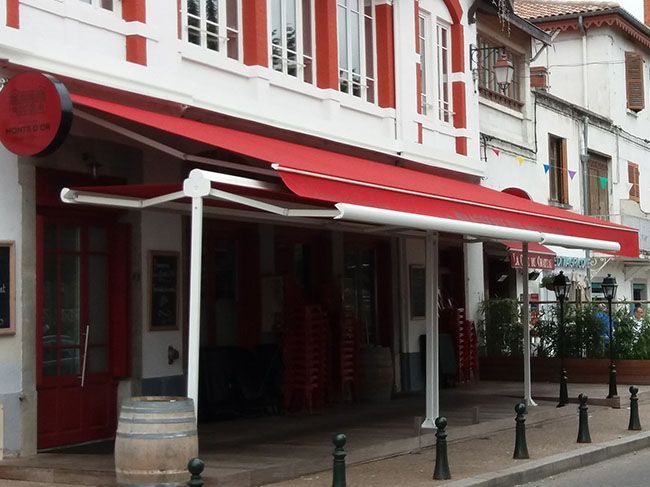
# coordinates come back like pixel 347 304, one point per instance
pixel 535 261
pixel 35 114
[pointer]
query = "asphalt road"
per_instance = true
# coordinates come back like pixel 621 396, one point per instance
pixel 631 470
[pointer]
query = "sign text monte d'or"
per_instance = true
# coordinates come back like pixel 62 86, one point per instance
pixel 35 114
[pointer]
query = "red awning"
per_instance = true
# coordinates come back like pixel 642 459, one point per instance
pixel 321 175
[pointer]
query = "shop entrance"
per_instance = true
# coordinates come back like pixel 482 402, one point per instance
pixel 80 302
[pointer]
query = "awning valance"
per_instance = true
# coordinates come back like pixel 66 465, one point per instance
pixel 372 192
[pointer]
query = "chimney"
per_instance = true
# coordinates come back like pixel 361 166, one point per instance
pixel 646 12
pixel 539 74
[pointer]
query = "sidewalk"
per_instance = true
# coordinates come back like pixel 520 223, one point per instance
pixel 551 444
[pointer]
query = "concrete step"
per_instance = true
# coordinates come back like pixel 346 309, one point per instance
pixel 13 474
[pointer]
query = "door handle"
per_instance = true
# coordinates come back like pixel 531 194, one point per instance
pixel 83 366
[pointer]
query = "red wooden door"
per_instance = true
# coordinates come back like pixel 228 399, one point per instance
pixel 75 342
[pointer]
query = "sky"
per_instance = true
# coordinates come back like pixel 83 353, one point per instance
pixel 635 7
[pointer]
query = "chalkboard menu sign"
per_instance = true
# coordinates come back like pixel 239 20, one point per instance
pixel 7 289
pixel 163 290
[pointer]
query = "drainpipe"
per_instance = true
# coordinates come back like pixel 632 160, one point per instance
pixel 583 32
pixel 584 159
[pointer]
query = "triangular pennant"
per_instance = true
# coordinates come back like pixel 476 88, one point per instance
pixel 546 168
pixel 496 151
pixel 520 160
pixel 572 174
pixel 603 181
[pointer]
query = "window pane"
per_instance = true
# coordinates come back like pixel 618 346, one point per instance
pixel 343 39
pixel 97 239
pixel 290 21
pixel 193 22
pixel 98 299
pixel 50 236
pixel 49 300
pixel 307 48
pixel 69 236
pixel 212 24
pixel 107 4
pixel 69 361
pixel 370 52
pixel 277 42
pixel 70 299
pixel 232 21
pixel 49 361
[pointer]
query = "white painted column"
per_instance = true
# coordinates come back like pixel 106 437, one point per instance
pixel 195 187
pixel 525 322
pixel 194 334
pixel 432 382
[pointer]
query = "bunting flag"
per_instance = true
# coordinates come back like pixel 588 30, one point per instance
pixel 603 181
pixel 520 160
pixel 496 151
pixel 572 174
pixel 546 168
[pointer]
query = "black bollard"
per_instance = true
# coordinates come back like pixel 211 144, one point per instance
pixel 441 471
pixel 521 448
pixel 338 470
pixel 583 426
pixel 195 467
pixel 635 422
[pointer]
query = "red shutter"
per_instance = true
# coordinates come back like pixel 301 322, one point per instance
pixel 120 329
pixel 634 81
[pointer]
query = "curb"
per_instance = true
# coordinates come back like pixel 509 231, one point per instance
pixel 556 464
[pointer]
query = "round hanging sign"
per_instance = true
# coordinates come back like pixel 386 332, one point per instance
pixel 35 114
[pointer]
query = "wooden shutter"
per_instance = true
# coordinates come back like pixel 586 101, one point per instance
pixel 633 178
pixel 564 175
pixel 634 81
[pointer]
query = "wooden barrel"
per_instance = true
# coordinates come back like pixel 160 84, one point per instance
pixel 156 437
pixel 376 374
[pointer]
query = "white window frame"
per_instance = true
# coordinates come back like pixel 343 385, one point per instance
pixel 444 108
pixel 426 74
pixel 345 75
pixel 117 5
pixel 300 47
pixel 222 28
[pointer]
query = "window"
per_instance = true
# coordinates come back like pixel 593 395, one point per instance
pixel 424 64
pixel 558 174
pixel 487 83
pixel 361 291
pixel 357 48
pixel 633 178
pixel 105 4
pixel 634 81
pixel 292 38
pixel 214 25
pixel 598 170
pixel 444 106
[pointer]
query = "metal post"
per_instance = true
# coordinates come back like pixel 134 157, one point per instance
pixel 441 470
pixel 195 467
pixel 521 448
pixel 583 426
pixel 431 318
pixel 564 395
pixel 195 303
pixel 525 322
pixel 338 468
pixel 635 422
pixel 613 392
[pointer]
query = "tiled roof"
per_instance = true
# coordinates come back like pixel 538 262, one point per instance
pixel 536 9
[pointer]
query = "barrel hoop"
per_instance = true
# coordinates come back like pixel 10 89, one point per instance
pixel 159 408
pixel 157 436
pixel 157 421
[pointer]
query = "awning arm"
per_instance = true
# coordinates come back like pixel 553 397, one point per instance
pixel 431 223
pixel 71 196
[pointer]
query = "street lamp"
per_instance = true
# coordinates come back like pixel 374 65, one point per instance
pixel 561 287
pixel 504 71
pixel 609 290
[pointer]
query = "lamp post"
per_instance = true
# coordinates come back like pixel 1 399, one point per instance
pixel 561 286
pixel 609 290
pixel 504 71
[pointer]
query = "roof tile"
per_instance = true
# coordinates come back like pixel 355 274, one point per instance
pixel 536 9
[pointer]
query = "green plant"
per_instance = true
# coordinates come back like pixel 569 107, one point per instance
pixel 501 327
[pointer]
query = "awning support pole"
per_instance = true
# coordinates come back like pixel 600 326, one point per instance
pixel 195 302
pixel 431 318
pixel 525 322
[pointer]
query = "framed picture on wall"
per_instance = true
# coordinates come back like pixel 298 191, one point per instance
pixel 417 292
pixel 7 288
pixel 164 290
